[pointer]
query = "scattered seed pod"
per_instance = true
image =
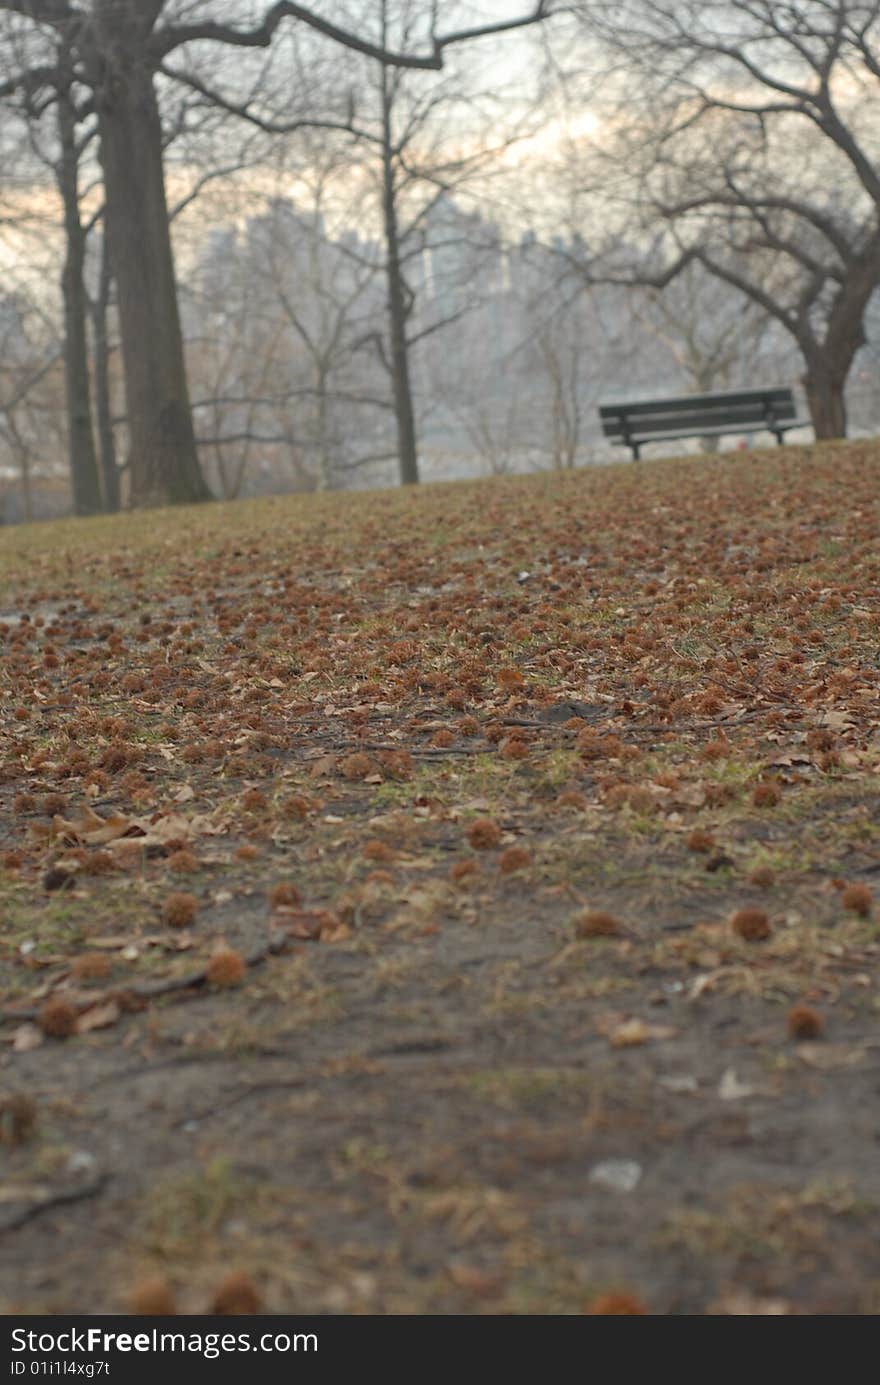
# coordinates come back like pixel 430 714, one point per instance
pixel 699 840
pixel 596 923
pixel 803 1022
pixel 858 899
pixel 182 863
pixel 484 834
pixel 766 795
pixel 246 852
pixel 284 893
pixel 617 1304
pixel 57 1018
pixel 374 850
pixel 460 871
pixel 514 748
pixel 751 924
pixel 763 877
pixel 236 1295
pixel 179 910
pixel 356 766
pixel 226 968
pixel 152 1297
pixel 90 966
pixel 513 859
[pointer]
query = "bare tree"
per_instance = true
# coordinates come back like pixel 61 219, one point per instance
pixel 752 140
pixel 117 47
pixel 30 390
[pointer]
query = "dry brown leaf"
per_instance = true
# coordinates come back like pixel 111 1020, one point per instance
pixel 98 1017
pixel 26 1037
pixel 829 1057
pixel 634 1032
pixel 307 925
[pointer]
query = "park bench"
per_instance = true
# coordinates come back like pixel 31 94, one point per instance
pixel 639 421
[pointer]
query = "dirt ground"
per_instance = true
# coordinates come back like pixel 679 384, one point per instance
pixel 452 902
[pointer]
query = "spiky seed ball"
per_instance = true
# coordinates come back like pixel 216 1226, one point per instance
pixel 253 800
pixel 182 863
pixel 596 923
pixel 99 863
pixel 460 871
pixel 858 899
pixel 484 834
pixel 803 1022
pixel 514 748
pixel 570 798
pixel 513 859
pixel 374 850
pixel 284 893
pixel 751 924
pixel 766 795
pixel 226 968
pixel 236 1295
pixel 617 1304
pixel 356 766
pixel 18 1116
pixel 91 966
pixel 179 910
pixel 379 877
pixel 763 877
pixel 57 1018
pixel 443 738
pixel 152 1298
pixel 246 852
pixel 295 805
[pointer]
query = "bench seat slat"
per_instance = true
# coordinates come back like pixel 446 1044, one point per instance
pixel 700 415
pixel 721 432
pixel 731 421
pixel 777 395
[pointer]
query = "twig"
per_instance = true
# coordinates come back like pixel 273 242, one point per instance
pixel 26 1214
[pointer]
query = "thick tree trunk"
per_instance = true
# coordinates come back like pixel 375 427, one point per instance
pixel 163 459
pixel 80 433
pixel 825 398
pixel 830 360
pixel 404 413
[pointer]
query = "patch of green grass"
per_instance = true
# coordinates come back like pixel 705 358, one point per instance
pixel 525 1087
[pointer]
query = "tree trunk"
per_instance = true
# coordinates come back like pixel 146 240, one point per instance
pixel 404 413
pixel 80 434
pixel 825 397
pixel 163 459
pixel 103 404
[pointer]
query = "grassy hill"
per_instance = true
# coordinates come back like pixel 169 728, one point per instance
pixel 450 901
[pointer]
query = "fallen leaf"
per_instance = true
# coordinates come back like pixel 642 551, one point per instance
pixel 634 1032
pixel 99 1017
pixel 830 1057
pixel 731 1089
pixel 26 1037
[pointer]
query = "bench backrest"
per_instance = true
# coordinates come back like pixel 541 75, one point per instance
pixel 642 417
